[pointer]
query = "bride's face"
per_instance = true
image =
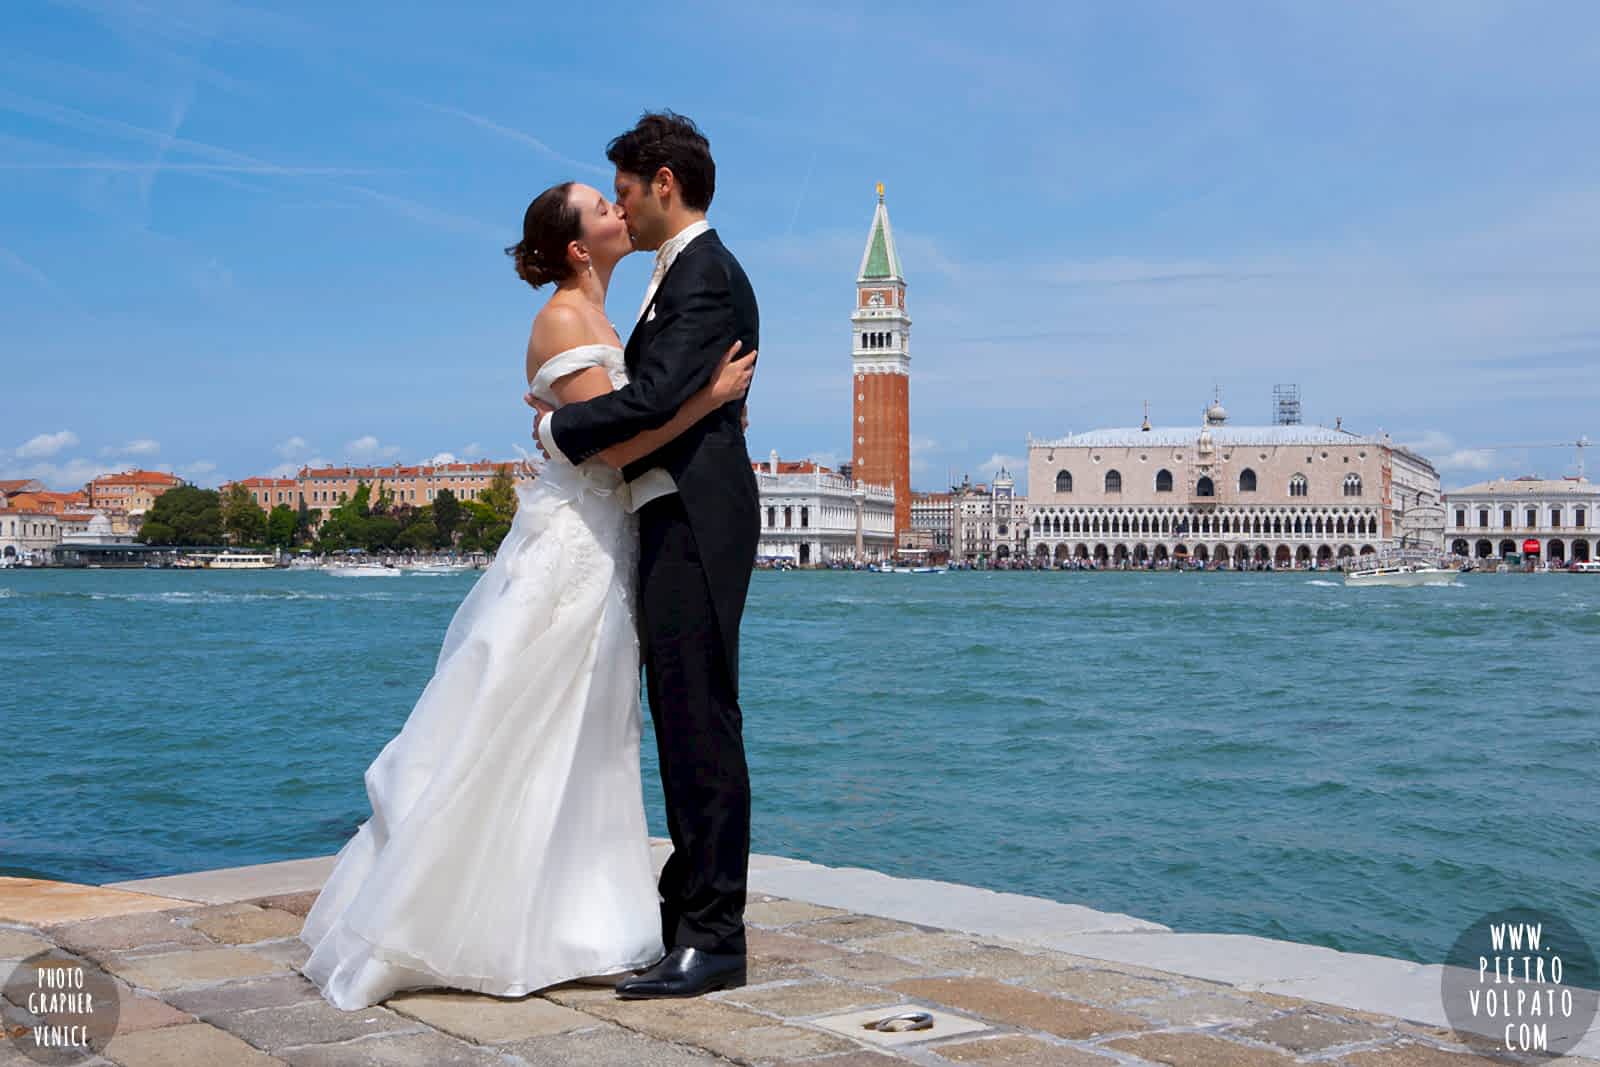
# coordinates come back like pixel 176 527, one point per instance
pixel 603 231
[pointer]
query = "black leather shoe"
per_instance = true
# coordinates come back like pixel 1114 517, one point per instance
pixel 685 972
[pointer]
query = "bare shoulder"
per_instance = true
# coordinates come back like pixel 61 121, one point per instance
pixel 557 328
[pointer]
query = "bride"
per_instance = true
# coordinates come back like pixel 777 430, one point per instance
pixel 507 849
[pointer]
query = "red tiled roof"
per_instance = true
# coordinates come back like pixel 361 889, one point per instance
pixel 785 466
pixel 138 478
pixel 18 485
pixel 259 482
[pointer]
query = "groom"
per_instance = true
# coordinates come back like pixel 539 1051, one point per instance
pixel 698 529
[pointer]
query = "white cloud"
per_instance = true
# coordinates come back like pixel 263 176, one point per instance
pixel 47 444
pixel 472 449
pixel 443 457
pixel 143 446
pixel 62 476
pixel 369 448
pixel 1440 449
pixel 293 448
pixel 199 467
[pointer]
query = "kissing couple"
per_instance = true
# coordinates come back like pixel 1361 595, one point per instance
pixel 507 849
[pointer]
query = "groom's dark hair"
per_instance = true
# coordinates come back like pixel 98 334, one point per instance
pixel 667 139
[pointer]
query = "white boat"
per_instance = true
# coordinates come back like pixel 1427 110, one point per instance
pixel 438 568
pixel 1401 574
pixel 241 561
pixel 1586 567
pixel 362 570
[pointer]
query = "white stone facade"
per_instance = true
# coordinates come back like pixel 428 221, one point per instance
pixel 1245 496
pixel 28 535
pixel 808 516
pixel 989 522
pixel 1492 520
pixel 932 515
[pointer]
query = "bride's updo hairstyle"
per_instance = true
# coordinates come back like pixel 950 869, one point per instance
pixel 548 226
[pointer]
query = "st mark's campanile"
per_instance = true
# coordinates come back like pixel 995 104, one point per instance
pixel 881 365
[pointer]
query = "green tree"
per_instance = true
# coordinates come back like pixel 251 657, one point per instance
pixel 242 518
pixel 483 529
pixel 281 526
pixel 420 536
pixel 501 494
pixel 184 516
pixel 446 514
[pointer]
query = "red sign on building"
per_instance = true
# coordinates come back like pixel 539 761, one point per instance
pixel 1530 547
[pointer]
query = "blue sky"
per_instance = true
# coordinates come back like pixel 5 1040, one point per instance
pixel 236 238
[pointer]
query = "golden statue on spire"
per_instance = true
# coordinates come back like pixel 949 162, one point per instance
pixel 880 192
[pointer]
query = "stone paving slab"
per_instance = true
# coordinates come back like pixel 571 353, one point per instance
pixel 40 902
pixel 229 884
pixel 249 925
pixel 195 1045
pixel 939 904
pixel 176 970
pixel 488 1020
pixel 127 933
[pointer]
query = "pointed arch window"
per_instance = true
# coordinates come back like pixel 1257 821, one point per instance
pixel 1113 481
pixel 1063 481
pixel 1247 481
pixel 1163 481
pixel 1205 487
pixel 1352 484
pixel 1298 486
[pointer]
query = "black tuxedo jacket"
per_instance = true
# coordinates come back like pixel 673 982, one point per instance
pixel 703 304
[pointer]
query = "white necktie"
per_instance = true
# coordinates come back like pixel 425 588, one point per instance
pixel 656 275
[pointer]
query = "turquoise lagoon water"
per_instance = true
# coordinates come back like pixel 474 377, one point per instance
pixel 1273 754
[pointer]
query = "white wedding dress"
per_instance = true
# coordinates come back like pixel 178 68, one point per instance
pixel 507 849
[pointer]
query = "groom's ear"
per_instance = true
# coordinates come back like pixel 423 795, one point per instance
pixel 664 182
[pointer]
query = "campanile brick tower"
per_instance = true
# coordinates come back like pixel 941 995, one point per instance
pixel 880 359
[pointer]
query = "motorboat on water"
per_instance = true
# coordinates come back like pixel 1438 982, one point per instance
pixel 1585 567
pixel 362 570
pixel 241 561
pixel 437 568
pixel 1399 571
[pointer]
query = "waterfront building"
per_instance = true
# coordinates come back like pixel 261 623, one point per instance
pixel 268 493
pixel 34 522
pixel 27 533
pixel 1504 517
pixel 810 514
pixel 932 524
pixel 880 363
pixel 130 493
pixel 1286 495
pixel 989 523
pixel 324 488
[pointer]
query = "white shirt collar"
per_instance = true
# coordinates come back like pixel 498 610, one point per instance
pixel 677 243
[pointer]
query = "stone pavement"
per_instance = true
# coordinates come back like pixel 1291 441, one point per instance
pixel 207 977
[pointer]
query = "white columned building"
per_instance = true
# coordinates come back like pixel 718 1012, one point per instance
pixel 808 515
pixel 1495 519
pixel 1237 496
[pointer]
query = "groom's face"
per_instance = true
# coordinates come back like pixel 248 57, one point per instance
pixel 643 213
